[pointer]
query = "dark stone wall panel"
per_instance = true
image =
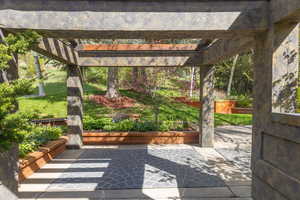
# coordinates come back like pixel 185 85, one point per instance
pixel 279 181
pixel 283 154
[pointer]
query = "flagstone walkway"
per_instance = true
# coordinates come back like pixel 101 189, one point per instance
pixel 149 171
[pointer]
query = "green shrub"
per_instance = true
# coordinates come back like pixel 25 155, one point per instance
pixel 90 123
pixel 298 100
pixel 36 136
pixel 107 124
pixel 244 101
pixel 145 126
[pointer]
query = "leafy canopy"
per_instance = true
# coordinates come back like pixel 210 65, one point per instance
pixel 13 126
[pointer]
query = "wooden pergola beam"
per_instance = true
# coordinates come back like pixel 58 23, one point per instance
pixel 139 50
pixel 136 19
pixel 162 55
pixel 285 10
pixel 223 49
pixel 57 50
pixel 143 55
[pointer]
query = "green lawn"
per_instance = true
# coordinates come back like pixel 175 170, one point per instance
pixel 54 105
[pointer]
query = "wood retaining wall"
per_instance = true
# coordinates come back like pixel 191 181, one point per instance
pixel 35 160
pixel 155 137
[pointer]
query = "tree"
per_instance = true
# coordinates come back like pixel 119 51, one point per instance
pixel 39 75
pixel 112 83
pixel 232 74
pixel 11 123
pixel 192 81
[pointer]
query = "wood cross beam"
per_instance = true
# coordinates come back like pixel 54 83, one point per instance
pixel 57 50
pixel 285 10
pixel 137 55
pixel 223 49
pixel 136 19
pixel 161 55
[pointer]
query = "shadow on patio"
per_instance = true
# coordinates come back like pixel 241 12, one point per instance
pixel 132 172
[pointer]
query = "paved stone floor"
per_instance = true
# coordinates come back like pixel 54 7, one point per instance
pixel 149 171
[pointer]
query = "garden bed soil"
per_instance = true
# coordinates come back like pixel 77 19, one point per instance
pixel 35 160
pixel 237 110
pixel 152 137
pixel 118 103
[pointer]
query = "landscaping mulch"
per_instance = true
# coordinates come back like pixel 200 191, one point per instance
pixel 118 103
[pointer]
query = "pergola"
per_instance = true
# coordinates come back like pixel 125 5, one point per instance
pixel 226 27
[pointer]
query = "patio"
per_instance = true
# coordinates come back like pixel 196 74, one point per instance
pixel 149 171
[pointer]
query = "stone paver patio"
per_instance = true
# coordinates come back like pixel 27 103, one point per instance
pixel 149 171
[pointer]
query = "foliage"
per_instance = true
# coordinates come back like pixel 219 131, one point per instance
pixel 244 101
pixel 96 75
pixel 18 43
pixel 8 94
pixel 37 136
pixel 243 75
pixel 91 123
pixel 14 126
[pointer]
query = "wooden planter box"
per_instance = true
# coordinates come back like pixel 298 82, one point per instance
pixel 237 110
pixel 221 106
pixel 224 106
pixel 35 160
pixel 155 137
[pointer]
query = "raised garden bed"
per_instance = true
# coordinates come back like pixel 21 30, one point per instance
pixel 221 106
pixel 154 137
pixel 224 106
pixel 35 160
pixel 118 103
pixel 237 110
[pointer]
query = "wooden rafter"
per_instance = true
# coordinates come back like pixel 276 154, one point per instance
pixel 58 50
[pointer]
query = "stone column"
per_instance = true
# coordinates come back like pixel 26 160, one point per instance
pixel 275 77
pixel 276 65
pixel 75 107
pixel 9 173
pixel 207 108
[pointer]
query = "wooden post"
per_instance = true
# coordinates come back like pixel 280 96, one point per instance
pixel 75 107
pixel 276 63
pixel 207 108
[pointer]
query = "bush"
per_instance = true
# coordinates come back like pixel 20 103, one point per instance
pixel 90 123
pixel 107 124
pixel 244 101
pixel 29 136
pixel 36 136
pixel 145 126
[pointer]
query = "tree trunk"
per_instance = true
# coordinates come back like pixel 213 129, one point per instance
pixel 112 83
pixel 39 75
pixel 231 75
pixel 192 81
pixel 135 76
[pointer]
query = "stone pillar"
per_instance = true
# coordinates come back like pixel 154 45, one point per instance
pixel 275 77
pixel 75 107
pixel 9 173
pixel 276 65
pixel 207 108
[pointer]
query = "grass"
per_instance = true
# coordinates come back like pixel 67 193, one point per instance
pixel 55 105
